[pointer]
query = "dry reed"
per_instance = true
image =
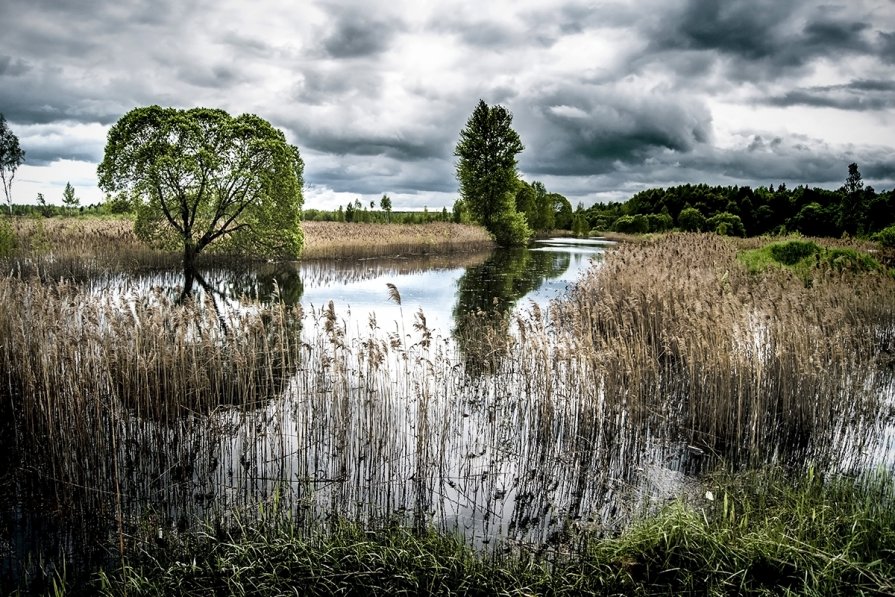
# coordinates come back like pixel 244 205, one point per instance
pixel 667 351
pixel 328 240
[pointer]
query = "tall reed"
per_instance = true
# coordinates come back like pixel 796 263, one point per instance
pixel 665 355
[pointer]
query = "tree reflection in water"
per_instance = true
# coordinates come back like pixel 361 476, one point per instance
pixel 488 292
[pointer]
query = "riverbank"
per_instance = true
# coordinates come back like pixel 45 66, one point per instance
pixel 753 533
pixel 114 242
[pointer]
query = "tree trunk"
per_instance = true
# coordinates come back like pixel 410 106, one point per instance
pixel 189 270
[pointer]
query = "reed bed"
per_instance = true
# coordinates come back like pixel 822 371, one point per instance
pixel 145 418
pixel 337 240
pixel 757 364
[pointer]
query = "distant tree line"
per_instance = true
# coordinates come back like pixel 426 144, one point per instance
pixel 852 209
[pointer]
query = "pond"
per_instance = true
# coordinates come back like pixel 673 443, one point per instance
pixel 407 404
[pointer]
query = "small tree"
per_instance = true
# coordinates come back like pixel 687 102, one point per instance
pixel 486 170
pixel 562 211
pixel 386 205
pixel 68 197
pixel 11 157
pixel 543 214
pixel 852 207
pixel 42 203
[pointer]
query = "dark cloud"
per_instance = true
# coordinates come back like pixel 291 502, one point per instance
pixel 608 96
pixel 887 47
pixel 858 95
pixel 354 36
pixel 757 160
pixel 12 67
pixel 325 85
pixel 355 174
pixel 588 130
pixel 351 143
pixel 765 37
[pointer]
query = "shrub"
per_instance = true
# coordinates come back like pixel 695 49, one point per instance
pixel 691 220
pixel 631 224
pixel 726 224
pixel 886 237
pixel 849 259
pixel 793 251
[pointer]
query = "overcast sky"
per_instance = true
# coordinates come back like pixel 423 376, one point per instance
pixel 608 97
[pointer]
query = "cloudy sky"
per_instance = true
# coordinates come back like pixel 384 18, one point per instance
pixel 608 97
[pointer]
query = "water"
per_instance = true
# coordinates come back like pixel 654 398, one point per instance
pixel 387 417
pixel 443 287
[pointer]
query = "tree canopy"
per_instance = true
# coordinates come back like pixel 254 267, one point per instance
pixel 487 173
pixel 201 176
pixel 853 209
pixel 11 157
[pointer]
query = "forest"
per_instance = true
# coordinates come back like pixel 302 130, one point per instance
pixel 853 209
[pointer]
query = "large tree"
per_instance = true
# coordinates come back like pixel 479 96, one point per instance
pixel 201 176
pixel 11 157
pixel 487 173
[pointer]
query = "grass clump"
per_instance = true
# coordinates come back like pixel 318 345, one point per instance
pixel 761 532
pixel 793 251
pixel 804 256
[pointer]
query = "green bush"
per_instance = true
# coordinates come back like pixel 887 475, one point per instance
pixel 726 224
pixel 631 224
pixel 691 220
pixel 793 251
pixel 886 237
pixel 849 259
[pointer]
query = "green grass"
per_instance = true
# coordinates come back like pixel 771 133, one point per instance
pixel 803 257
pixel 760 534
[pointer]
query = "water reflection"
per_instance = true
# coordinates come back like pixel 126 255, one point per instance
pixel 487 293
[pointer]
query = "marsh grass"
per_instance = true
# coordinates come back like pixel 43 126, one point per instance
pixel 132 413
pixel 763 532
pixel 805 257
pixel 753 364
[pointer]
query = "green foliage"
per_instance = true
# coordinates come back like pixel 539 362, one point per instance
pixel 726 224
pixel 117 204
pixel 691 220
pixel 803 257
pixel 459 213
pixel 760 533
pixel 201 176
pixel 638 224
pixel 7 238
pixel 385 204
pixel 849 259
pixel 886 237
pixel 486 170
pixel 853 209
pixel 793 251
pixel 660 222
pixel 510 229
pixel 562 211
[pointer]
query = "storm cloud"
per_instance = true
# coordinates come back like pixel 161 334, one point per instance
pixel 608 97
